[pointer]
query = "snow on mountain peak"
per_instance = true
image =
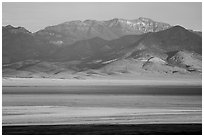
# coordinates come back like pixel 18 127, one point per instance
pixel 72 31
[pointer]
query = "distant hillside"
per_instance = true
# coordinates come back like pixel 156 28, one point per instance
pixel 17 44
pixel 107 48
pixel 72 31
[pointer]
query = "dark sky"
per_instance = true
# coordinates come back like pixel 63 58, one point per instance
pixel 36 16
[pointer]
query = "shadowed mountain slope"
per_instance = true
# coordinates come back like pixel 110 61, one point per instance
pixel 69 32
pixel 157 48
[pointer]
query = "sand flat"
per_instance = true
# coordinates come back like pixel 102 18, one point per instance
pixel 75 82
pixel 46 109
pixel 49 115
pixel 56 101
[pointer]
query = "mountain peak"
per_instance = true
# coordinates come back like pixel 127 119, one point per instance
pixel 179 27
pixel 8 27
pixel 116 20
pixel 16 29
pixel 144 19
pixel 72 31
pixel 73 22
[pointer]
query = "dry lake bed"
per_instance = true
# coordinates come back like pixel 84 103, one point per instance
pixel 25 108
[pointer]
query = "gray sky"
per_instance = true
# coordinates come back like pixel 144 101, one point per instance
pixel 36 16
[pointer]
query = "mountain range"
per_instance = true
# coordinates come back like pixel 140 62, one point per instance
pixel 101 48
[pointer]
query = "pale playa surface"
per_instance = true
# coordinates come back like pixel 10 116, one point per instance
pixel 27 101
pixel 30 109
pixel 69 82
pixel 51 115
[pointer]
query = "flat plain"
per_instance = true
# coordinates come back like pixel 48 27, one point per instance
pixel 101 105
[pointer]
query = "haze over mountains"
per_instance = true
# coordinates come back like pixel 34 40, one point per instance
pixel 90 48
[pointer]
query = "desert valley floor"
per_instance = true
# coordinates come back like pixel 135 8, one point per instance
pixel 28 102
